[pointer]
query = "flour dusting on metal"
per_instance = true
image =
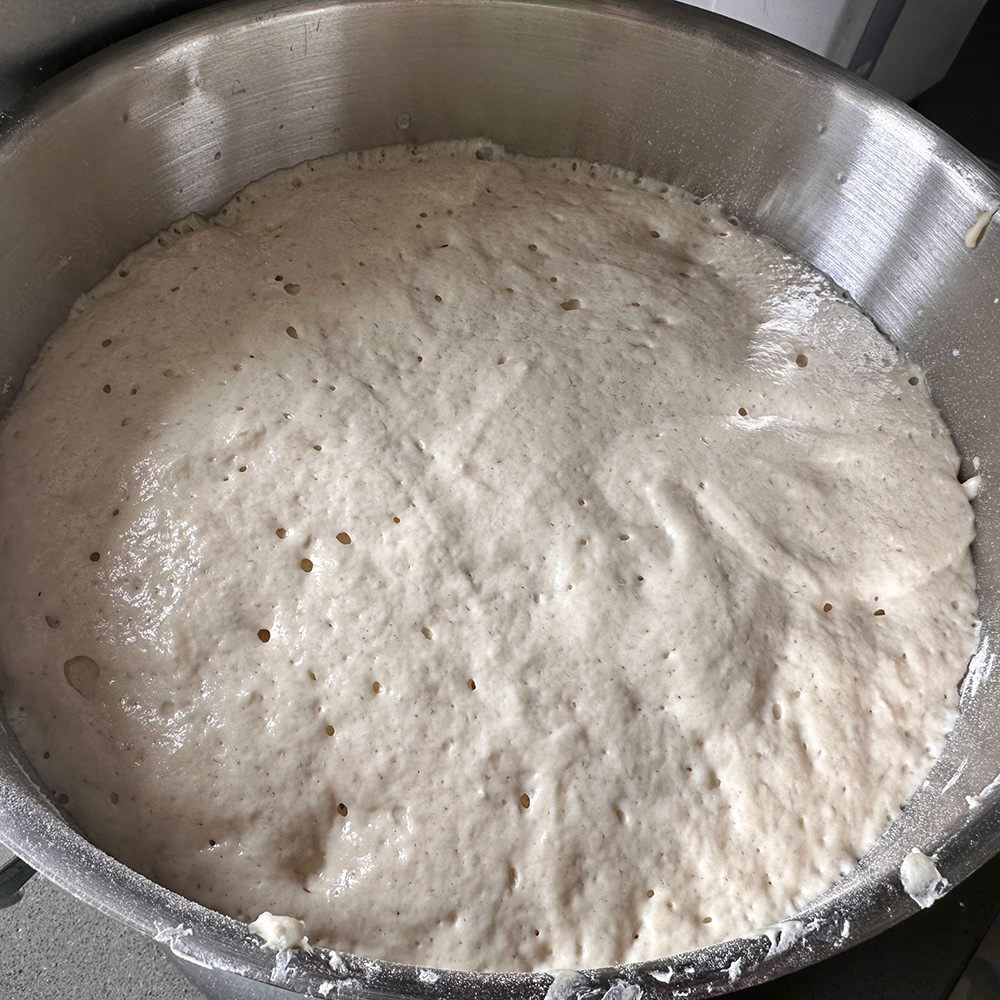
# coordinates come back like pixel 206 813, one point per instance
pixel 280 974
pixel 179 939
pixel 169 935
pixel 975 801
pixel 565 985
pixel 623 991
pixel 735 968
pixel 959 771
pixel 787 934
pixel 980 668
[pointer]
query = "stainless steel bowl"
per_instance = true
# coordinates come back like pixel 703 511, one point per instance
pixel 179 119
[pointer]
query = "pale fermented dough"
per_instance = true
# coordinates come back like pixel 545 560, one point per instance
pixel 491 562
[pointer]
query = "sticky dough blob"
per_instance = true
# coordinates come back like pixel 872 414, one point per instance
pixel 493 563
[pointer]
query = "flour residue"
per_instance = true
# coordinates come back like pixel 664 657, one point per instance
pixel 921 880
pixel 280 932
pixel 565 985
pixel 977 230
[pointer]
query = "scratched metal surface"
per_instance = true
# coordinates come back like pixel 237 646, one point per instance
pixel 180 119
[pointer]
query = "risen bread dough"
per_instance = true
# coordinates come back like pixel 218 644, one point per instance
pixel 494 563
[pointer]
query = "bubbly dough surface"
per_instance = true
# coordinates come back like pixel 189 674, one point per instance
pixel 494 563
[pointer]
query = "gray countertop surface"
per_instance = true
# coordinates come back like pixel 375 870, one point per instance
pixel 53 947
